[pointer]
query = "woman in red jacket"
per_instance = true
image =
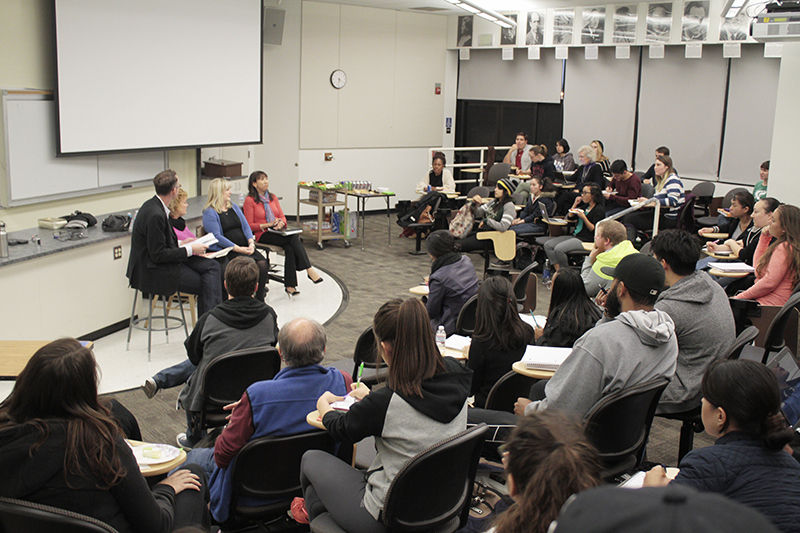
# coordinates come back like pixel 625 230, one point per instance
pixel 263 212
pixel 778 264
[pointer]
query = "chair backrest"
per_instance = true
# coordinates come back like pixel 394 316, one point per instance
pixel 525 288
pixel 226 378
pixel 366 351
pixel 483 192
pixel 268 468
pixel 774 340
pixel 686 213
pixel 465 323
pixel 648 190
pixel 743 339
pixel 704 191
pixel 618 424
pixel 435 487
pixel 20 515
pixel 728 198
pixel 496 173
pixel 508 388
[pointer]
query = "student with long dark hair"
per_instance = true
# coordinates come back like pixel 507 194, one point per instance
pixel 588 209
pixel 747 463
pixel 60 446
pixel 496 215
pixel 547 460
pixel 571 312
pixel 499 339
pixel 563 159
pixel 263 212
pixel 424 402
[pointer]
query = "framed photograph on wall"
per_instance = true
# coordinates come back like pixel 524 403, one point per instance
pixel 465 31
pixel 694 23
pixel 625 18
pixel 535 28
pixel 509 35
pixel 735 29
pixel 562 26
pixel 593 25
pixel 659 22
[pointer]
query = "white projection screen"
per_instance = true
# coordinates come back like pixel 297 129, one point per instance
pixel 146 74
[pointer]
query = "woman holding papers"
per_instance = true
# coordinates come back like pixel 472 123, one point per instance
pixel 778 264
pixel 499 339
pixel 268 223
pixel 748 462
pixel 225 220
pixel 423 403
pixel 177 209
pixel 571 312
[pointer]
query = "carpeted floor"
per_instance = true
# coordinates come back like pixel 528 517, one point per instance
pixel 373 276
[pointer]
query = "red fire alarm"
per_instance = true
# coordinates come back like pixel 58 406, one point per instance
pixel 437 89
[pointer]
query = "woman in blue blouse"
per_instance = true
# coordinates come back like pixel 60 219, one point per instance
pixel 226 221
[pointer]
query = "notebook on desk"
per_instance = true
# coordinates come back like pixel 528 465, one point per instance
pixel 545 357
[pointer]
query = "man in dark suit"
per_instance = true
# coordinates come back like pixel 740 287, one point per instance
pixel 157 264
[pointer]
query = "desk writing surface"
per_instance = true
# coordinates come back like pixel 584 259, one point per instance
pixel 314 420
pixel 723 274
pixel 160 468
pixel 520 368
pixel 14 355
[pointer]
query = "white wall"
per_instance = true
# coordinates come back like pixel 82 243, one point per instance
pixel 783 179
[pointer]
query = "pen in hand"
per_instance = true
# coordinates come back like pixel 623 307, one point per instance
pixel 360 373
pixel 534 319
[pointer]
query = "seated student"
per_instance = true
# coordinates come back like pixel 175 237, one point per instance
pixel 625 186
pixel 610 245
pixel 563 159
pixel 541 163
pixel 571 312
pixel 424 402
pixel 669 193
pixel 499 339
pixel 547 460
pixel 747 463
pixel 177 210
pixel 589 172
pixel 602 160
pixel 440 178
pixel 61 447
pixel 778 264
pixel 700 310
pixel 496 215
pixel 529 219
pixel 451 283
pixel 650 175
pixel 156 262
pixel 275 407
pixel 239 322
pixel 740 219
pixel 588 209
pixel 227 222
pixel 760 188
pixel 633 344
pixel 519 154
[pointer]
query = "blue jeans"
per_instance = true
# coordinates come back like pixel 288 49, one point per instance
pixel 202 457
pixel 174 375
pixel 529 227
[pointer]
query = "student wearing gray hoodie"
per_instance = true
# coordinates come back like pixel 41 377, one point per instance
pixel 632 344
pixel 699 308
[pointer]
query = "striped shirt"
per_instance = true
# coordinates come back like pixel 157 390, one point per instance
pixel 490 210
pixel 671 194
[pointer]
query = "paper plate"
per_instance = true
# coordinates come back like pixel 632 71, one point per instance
pixel 157 453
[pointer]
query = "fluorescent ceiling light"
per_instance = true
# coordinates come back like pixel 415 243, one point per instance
pixel 732 8
pixel 469 8
pixel 483 12
pixel 487 17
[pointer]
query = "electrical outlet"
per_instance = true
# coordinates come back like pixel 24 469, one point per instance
pixel 118 252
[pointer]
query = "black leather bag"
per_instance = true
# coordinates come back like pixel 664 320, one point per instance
pixel 116 223
pixel 80 215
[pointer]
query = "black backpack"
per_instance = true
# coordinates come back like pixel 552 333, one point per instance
pixel 80 215
pixel 116 223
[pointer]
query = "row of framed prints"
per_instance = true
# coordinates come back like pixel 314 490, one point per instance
pixel 589 25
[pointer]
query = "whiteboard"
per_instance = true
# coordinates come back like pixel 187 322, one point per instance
pixel 35 174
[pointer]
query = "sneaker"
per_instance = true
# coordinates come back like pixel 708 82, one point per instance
pixel 183 441
pixel 150 387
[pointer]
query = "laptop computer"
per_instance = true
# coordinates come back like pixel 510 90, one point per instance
pixel 548 219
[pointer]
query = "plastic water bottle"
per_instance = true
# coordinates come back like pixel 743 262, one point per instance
pixel 546 272
pixel 441 336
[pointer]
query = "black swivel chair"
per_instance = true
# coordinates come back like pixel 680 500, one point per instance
pixel 774 341
pixel 708 221
pixel 20 515
pixel 618 425
pixel 508 388
pixel 268 468
pixel 743 339
pixel 432 491
pixel 704 192
pixel 465 323
pixel 366 351
pixel 226 378
pixel 525 288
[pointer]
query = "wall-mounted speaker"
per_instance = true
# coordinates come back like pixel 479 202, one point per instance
pixel 273 25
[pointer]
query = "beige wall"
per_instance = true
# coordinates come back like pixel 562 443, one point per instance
pixel 27 60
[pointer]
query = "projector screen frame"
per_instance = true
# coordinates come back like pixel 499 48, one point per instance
pixel 197 146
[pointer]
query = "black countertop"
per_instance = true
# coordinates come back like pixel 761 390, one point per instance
pixel 94 235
